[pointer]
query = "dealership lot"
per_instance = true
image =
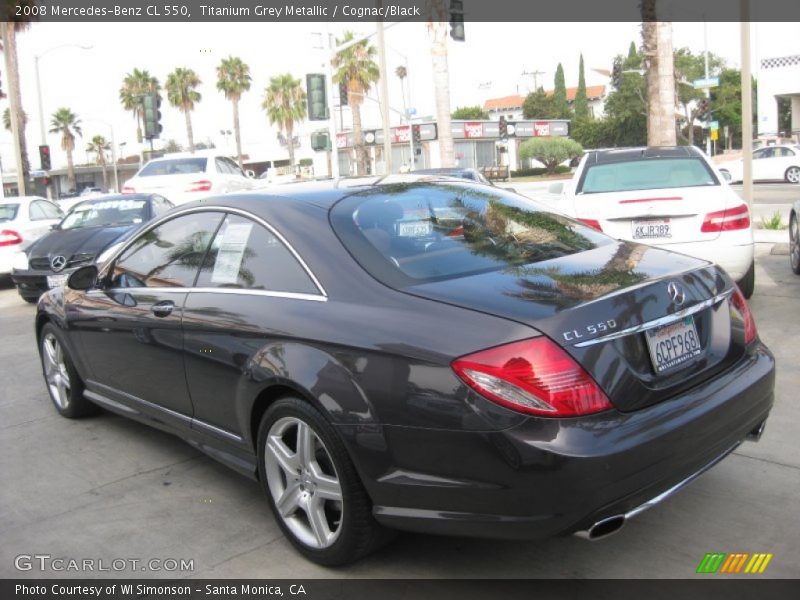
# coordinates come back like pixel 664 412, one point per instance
pixel 108 488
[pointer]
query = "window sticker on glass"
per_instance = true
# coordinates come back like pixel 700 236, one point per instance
pixel 231 253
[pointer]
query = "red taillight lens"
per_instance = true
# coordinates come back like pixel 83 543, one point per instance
pixel 9 237
pixel 727 220
pixel 740 304
pixel 532 376
pixel 593 223
pixel 199 186
pixel 126 189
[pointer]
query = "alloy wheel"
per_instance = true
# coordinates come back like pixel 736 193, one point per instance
pixel 793 175
pixel 55 370
pixel 303 482
pixel 794 244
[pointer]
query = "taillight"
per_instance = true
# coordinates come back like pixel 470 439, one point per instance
pixel 126 189
pixel 740 304
pixel 593 223
pixel 199 186
pixel 8 237
pixel 532 376
pixel 727 220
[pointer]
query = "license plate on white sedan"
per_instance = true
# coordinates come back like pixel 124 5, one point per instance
pixel 673 344
pixel 651 229
pixel 54 281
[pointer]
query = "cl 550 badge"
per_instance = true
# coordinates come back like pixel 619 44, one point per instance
pixel 589 330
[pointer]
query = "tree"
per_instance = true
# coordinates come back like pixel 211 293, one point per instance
pixel 7 119
pixel 65 122
pixel 233 79
pixel 538 105
pixel 135 85
pixel 402 73
pixel 181 93
pixel 726 104
pixel 660 72
pixel 438 28
pixel 8 35
pixel 99 146
pixel 356 69
pixel 285 104
pixel 550 151
pixel 689 67
pixel 560 106
pixel 468 113
pixel 581 106
pixel 171 146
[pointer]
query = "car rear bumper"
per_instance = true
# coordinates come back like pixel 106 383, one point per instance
pixel 548 477
pixel 734 258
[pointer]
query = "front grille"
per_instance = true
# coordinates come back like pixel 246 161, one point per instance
pixel 43 264
pixel 40 264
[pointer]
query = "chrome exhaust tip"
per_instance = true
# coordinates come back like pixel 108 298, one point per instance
pixel 602 529
pixel 756 434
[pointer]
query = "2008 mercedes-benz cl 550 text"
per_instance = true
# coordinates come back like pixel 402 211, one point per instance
pixel 411 353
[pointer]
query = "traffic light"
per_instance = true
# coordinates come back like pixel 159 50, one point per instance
pixel 44 158
pixel 457 20
pixel 416 133
pixel 319 141
pixel 703 109
pixel 343 99
pixel 152 116
pixel 317 98
pixel 616 74
pixel 503 128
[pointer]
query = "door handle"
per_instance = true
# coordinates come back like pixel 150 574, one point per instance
pixel 162 309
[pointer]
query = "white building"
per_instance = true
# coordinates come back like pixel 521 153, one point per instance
pixel 778 77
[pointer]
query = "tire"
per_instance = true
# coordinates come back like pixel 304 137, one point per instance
pixel 30 299
pixel 324 529
pixel 792 175
pixel 64 385
pixel 748 283
pixel 794 244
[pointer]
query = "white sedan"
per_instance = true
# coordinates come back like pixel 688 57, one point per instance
pixel 770 163
pixel 671 197
pixel 23 219
pixel 186 177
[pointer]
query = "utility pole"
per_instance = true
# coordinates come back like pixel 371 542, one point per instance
pixel 535 75
pixel 9 52
pixel 708 90
pixel 384 90
pixel 747 107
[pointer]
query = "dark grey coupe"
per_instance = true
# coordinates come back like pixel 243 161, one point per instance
pixel 418 354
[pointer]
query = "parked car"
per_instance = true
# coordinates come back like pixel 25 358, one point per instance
pixel 770 163
pixel 434 356
pixel 671 197
pixel 183 178
pixel 80 238
pixel 23 220
pixel 794 237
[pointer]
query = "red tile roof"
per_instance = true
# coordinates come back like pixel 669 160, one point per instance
pixel 592 92
pixel 504 103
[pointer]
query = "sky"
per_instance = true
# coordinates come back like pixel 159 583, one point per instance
pixel 490 63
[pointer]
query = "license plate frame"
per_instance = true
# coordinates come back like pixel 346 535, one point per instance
pixel 679 344
pixel 56 281
pixel 651 229
pixel 413 229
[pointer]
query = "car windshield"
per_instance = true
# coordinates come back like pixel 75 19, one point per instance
pixel 422 232
pixel 174 166
pixel 646 174
pixel 8 212
pixel 105 213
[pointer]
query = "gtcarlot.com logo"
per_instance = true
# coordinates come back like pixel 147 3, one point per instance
pixel 737 562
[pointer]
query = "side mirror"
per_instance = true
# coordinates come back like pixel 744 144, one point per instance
pixel 250 174
pixel 83 279
pixel 727 176
pixel 556 188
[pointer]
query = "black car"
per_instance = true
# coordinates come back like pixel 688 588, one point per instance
pixel 794 237
pixel 434 356
pixel 89 229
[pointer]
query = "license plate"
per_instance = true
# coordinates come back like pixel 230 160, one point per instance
pixel 54 281
pixel 651 229
pixel 673 344
pixel 414 228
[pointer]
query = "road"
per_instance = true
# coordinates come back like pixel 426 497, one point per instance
pixel 106 487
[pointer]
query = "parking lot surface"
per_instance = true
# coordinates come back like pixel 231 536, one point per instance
pixel 108 488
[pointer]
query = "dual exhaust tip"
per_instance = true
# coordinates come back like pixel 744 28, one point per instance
pixel 603 528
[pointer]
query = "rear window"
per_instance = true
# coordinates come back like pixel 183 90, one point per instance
pixel 105 213
pixel 174 166
pixel 412 233
pixel 8 212
pixel 646 174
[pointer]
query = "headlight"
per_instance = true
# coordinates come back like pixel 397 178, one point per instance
pixel 105 254
pixel 20 262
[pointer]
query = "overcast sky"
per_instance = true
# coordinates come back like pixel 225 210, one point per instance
pixel 489 64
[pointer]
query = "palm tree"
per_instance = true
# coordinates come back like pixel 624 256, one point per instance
pixel 8 35
pixel 66 122
pixel 356 68
pixel 438 26
pixel 181 94
pixel 233 78
pixel 660 65
pixel 7 119
pixel 285 104
pixel 135 85
pixel 99 146
pixel 402 73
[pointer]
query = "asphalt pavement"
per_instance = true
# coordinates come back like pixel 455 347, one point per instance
pixel 108 488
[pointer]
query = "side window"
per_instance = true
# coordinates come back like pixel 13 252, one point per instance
pixel 245 255
pixel 761 153
pixel 234 168
pixel 50 210
pixel 222 166
pixel 36 211
pixel 169 255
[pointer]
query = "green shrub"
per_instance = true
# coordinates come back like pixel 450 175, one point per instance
pixel 550 151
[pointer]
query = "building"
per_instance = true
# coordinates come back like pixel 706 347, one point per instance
pixel 778 78
pixel 510 107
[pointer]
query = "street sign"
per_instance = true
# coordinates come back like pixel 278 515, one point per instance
pixel 714 134
pixel 411 111
pixel 714 125
pixel 708 82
